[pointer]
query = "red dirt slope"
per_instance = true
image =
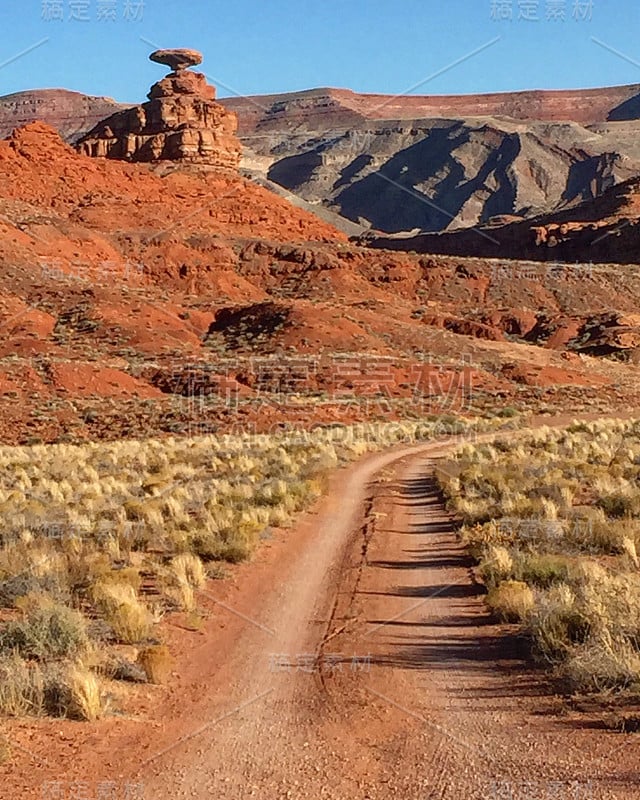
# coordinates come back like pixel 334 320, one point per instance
pixel 139 299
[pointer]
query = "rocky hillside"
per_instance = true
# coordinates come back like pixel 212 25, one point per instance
pixel 140 299
pixel 322 107
pixel 421 164
pixel 158 291
pixel 438 163
pixel 437 174
pixel 605 229
pixel 70 113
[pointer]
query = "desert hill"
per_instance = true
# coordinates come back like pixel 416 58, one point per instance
pixel 70 113
pixel 147 287
pixel 580 105
pixel 158 298
pixel 601 230
pixel 412 163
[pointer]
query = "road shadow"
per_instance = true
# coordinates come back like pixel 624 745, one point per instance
pixel 453 627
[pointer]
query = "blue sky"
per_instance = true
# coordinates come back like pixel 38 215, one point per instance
pixel 257 47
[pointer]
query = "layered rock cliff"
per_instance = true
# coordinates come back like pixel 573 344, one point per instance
pixel 392 164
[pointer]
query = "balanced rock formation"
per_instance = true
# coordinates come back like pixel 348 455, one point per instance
pixel 181 121
pixel 177 60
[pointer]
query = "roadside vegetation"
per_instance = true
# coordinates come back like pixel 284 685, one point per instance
pixel 553 519
pixel 98 542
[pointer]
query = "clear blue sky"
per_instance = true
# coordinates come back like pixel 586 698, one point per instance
pixel 262 46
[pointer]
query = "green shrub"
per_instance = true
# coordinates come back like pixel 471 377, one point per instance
pixel 542 569
pixel 49 632
pixel 618 505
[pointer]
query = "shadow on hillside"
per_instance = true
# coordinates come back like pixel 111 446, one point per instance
pixel 628 110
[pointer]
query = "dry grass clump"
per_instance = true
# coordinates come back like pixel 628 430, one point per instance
pixel 496 566
pixel 123 611
pixel 184 575
pixel 511 601
pixel 553 518
pixel 557 623
pixel 28 688
pixel 21 687
pixel 83 698
pixel 602 666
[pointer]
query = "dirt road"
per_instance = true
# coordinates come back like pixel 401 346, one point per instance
pixel 357 661
pixel 377 674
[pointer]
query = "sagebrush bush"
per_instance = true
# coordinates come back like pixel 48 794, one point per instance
pixel 48 632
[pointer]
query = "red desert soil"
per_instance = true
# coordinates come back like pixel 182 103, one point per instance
pixel 353 658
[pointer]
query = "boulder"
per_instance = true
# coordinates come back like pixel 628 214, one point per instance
pixel 177 59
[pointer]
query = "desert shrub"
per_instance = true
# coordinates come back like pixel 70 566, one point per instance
pixel 123 611
pixel 557 623
pixel 511 601
pixel 478 538
pixel 73 691
pixel 48 632
pixel 507 411
pixel 21 687
pixel 85 701
pixel 14 586
pixel 589 531
pixel 603 665
pixel 156 663
pixel 611 601
pixel 496 566
pixel 542 569
pixel 619 504
pixel 185 574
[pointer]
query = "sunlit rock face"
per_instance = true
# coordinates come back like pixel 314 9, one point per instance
pixel 181 122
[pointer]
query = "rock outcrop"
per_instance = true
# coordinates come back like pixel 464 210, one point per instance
pixel 181 122
pixel 599 231
pixel 177 60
